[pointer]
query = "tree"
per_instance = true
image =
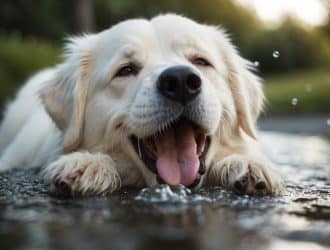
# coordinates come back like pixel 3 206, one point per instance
pixel 327 25
pixel 80 15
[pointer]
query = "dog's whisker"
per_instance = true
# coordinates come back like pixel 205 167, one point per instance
pixel 139 148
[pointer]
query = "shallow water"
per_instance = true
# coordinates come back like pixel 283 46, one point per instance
pixel 164 218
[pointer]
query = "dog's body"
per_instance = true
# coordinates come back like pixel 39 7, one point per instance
pixel 167 99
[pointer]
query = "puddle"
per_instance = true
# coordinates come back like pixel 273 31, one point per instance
pixel 165 218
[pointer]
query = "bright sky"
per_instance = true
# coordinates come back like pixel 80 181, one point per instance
pixel 310 11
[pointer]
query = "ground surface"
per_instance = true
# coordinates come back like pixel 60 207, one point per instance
pixel 159 218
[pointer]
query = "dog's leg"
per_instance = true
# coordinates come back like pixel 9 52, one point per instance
pixel 244 169
pixel 82 173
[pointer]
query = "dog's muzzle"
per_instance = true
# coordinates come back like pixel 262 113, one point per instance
pixel 176 152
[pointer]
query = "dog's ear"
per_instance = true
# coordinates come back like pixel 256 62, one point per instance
pixel 245 86
pixel 64 96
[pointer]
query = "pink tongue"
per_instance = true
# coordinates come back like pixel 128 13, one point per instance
pixel 177 159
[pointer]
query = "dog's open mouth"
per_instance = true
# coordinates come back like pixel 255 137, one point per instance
pixel 176 155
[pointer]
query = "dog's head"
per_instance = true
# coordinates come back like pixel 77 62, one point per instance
pixel 161 91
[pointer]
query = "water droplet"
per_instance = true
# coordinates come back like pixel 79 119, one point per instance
pixel 276 54
pixel 164 193
pixel 256 63
pixel 294 101
pixel 328 122
pixel 308 88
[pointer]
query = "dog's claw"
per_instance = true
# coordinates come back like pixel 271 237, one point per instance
pixel 62 188
pixel 240 186
pixel 260 185
pixel 245 176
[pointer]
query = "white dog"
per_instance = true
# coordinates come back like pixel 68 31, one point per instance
pixel 144 102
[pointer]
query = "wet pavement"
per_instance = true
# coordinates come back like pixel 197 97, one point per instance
pixel 161 218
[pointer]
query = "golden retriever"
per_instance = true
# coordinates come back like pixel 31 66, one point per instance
pixel 144 102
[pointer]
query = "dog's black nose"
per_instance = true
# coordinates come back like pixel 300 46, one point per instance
pixel 180 84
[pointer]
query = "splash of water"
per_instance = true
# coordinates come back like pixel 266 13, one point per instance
pixel 165 193
pixel 294 101
pixel 276 54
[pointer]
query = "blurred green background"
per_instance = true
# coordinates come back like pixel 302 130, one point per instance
pixel 297 80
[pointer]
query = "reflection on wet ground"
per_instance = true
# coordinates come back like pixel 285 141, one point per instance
pixel 161 218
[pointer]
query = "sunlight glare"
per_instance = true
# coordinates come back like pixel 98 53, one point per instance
pixel 312 12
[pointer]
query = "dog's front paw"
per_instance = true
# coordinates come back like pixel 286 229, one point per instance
pixel 82 174
pixel 245 175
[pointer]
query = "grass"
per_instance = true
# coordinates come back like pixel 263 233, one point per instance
pixel 310 89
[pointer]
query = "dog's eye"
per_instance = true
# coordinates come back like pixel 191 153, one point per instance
pixel 200 61
pixel 128 70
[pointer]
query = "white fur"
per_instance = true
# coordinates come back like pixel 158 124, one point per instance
pixel 96 171
pixel 75 119
pixel 28 137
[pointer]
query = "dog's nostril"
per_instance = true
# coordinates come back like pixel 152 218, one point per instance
pixel 193 82
pixel 170 86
